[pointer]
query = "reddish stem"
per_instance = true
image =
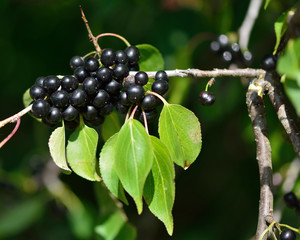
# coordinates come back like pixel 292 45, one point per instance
pixel 12 133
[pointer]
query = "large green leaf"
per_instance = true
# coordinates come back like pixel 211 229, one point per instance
pixel 280 27
pixel 110 126
pixel 180 131
pixel 150 58
pixel 159 189
pixel 81 152
pixel 57 146
pixel 289 62
pixel 133 159
pixel 107 169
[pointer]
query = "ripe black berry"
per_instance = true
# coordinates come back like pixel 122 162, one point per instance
pixel 54 115
pixel 69 83
pixel 104 74
pixel 269 63
pixel 160 87
pixel 48 123
pixel 124 99
pixel 106 109
pixel 78 98
pixel 215 46
pixel 235 51
pixel 108 57
pixel 227 56
pixel 291 200
pixel 101 99
pixel 223 41
pixel 247 58
pixel 97 121
pixel 150 116
pixel 80 73
pixel 120 71
pixel 91 64
pixel 39 81
pixel 70 113
pixel 37 92
pixel 149 102
pixel 51 84
pixel 90 85
pixel 89 113
pixel 287 234
pixel 60 99
pixel 40 108
pixel 75 62
pixel 206 98
pixel 133 54
pixel 141 78
pixel 135 93
pixel 161 75
pixel 121 57
pixel 121 108
pixel 113 87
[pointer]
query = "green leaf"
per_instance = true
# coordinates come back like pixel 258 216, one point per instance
pixel 127 232
pixel 57 146
pixel 133 159
pixel 280 28
pixel 293 92
pixel 150 58
pixel 289 62
pixel 159 189
pixel 81 152
pixel 26 98
pixel 266 4
pixel 180 131
pixel 110 126
pixel 107 169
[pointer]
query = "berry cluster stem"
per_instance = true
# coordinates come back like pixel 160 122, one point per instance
pixel 114 35
pixel 15 117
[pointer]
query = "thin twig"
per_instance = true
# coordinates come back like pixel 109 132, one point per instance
pixel 15 117
pixel 247 25
pixel 11 134
pixel 145 121
pixel 114 35
pixel 263 154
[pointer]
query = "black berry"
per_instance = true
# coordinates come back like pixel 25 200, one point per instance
pixel 135 93
pixel 287 234
pixel 141 78
pixel 75 62
pixel 80 73
pixel 54 115
pixel 104 74
pixel 40 108
pixel 70 113
pixel 91 64
pixel 269 63
pixel 121 108
pixel 247 58
pixel 223 41
pixel 113 87
pixel 90 85
pixel 291 200
pixel 161 75
pixel 60 99
pixel 89 113
pixel 206 98
pixel 121 57
pixel 133 54
pixel 39 81
pixel 149 102
pixel 37 92
pixel 101 99
pixel 97 121
pixel 215 46
pixel 160 87
pixel 124 99
pixel 48 123
pixel 69 83
pixel 51 84
pixel 120 71
pixel 150 116
pixel 108 57
pixel 106 109
pixel 78 98
pixel 227 56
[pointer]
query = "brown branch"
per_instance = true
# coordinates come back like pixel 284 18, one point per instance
pixel 15 117
pixel 284 109
pixel 257 114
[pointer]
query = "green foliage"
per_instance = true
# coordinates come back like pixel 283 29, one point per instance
pixel 150 58
pixel 179 130
pixel 110 126
pixel 267 2
pixel 280 27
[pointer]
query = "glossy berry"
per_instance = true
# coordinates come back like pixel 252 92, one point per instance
pixel 290 200
pixel 161 75
pixel 89 113
pixel 247 58
pixel 51 84
pixel 48 123
pixel 160 87
pixel 124 99
pixel 81 73
pixel 78 98
pixel 69 83
pixel 141 78
pixel 76 62
pixel 135 93
pixel 108 57
pixel 226 56
pixel 101 99
pixel 39 81
pixel 121 57
pixel 90 85
pixel 269 63
pixel 223 41
pixel 215 46
pixel 106 109
pixel 133 54
pixel 206 98
pixel 60 99
pixel 40 108
pixel 104 74
pixel 70 113
pixel 235 51
pixel 150 116
pixel 120 71
pixel 113 87
pixel 121 108
pixel 37 92
pixel 287 234
pixel 91 64
pixel 149 102
pixel 54 115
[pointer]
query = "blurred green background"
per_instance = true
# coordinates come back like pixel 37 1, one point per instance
pixel 216 198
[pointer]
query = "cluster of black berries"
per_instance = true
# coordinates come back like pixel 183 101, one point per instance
pixel 94 90
pixel 231 52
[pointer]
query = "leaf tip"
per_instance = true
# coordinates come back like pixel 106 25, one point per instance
pixel 186 165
